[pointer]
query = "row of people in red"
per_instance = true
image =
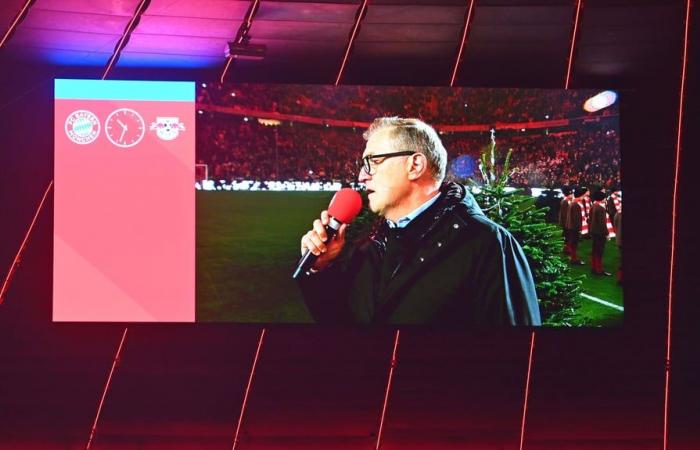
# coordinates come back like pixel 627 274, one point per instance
pixel 598 216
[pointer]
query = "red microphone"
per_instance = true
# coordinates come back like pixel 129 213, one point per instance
pixel 343 208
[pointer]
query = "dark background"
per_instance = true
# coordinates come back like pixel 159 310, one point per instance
pixel 180 386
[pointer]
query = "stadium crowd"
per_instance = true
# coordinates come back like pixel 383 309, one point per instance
pixel 235 147
pixel 576 157
pixel 437 105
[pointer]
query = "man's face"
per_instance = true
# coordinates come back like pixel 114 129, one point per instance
pixel 388 185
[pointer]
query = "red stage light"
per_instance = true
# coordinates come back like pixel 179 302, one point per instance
pixel 18 256
pixel 673 222
pixel 467 22
pixel 247 388
pixel 355 28
pixel 388 389
pixel 579 6
pixel 15 22
pixel 527 390
pixel 104 391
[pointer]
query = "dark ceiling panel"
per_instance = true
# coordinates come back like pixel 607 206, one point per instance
pixel 284 71
pixel 176 45
pixel 627 12
pixel 533 16
pixel 422 2
pixel 42 19
pixel 300 37
pixel 510 44
pixel 312 32
pixel 602 34
pixel 188 26
pixel 493 34
pixel 208 9
pixel 526 3
pixel 399 50
pixel 660 23
pixel 428 71
pixel 8 12
pixel 622 53
pixel 315 33
pixel 513 55
pixel 113 8
pixel 342 12
pixel 66 40
pixel 611 68
pixel 629 40
pixel 415 14
pixel 410 34
pixel 296 50
pixel 399 43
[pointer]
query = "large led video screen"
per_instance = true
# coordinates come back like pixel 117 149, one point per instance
pixel 347 205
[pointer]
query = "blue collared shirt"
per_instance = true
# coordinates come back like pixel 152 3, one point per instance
pixel 405 220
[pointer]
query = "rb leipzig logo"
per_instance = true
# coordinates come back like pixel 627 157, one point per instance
pixel 82 126
pixel 167 128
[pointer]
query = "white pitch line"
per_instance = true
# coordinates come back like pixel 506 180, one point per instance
pixel 602 302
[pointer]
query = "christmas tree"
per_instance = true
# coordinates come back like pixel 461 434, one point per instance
pixel 557 289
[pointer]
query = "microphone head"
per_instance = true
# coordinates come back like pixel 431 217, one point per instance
pixel 345 205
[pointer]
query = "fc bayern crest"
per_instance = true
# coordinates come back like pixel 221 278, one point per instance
pixel 82 126
pixel 167 128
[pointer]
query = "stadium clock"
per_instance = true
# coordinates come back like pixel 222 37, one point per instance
pixel 125 127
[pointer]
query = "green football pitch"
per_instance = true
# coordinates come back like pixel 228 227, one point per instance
pixel 602 302
pixel 248 246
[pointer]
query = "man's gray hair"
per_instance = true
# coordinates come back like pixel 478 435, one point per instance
pixel 414 135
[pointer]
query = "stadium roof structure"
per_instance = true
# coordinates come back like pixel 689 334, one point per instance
pixel 509 42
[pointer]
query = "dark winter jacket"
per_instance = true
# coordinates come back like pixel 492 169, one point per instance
pixel 450 266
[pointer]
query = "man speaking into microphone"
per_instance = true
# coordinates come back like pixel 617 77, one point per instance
pixel 433 258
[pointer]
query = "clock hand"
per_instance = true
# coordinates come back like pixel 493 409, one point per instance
pixel 120 123
pixel 121 138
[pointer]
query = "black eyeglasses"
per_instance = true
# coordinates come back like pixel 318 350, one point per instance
pixel 370 160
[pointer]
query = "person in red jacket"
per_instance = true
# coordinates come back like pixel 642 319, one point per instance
pixel 599 228
pixel 564 206
pixel 577 222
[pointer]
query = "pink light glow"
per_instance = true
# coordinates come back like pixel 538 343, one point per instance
pixel 579 5
pixel 117 356
pixel 247 388
pixel 14 23
pixel 18 256
pixel 527 390
pixel 677 167
pixel 388 390
pixel 462 43
pixel 353 35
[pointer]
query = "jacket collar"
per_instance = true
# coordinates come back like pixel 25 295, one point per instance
pixel 452 195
